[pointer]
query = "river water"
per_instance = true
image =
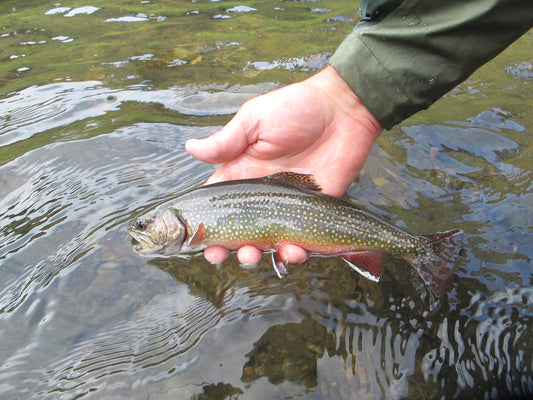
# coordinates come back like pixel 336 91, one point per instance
pixel 96 101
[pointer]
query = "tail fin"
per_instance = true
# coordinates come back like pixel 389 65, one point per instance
pixel 437 266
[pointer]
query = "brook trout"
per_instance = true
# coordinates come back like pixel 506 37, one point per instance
pixel 289 208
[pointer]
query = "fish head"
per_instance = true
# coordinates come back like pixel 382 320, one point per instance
pixel 158 233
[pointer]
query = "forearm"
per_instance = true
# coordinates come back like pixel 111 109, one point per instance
pixel 424 48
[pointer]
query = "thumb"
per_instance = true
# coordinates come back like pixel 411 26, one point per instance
pixel 222 146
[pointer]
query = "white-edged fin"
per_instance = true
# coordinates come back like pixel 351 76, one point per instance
pixel 279 265
pixel 367 263
pixel 364 273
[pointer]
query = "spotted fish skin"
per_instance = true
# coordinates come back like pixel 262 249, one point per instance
pixel 267 214
pixel 288 208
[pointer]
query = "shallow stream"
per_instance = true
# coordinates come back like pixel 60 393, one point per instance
pixel 96 101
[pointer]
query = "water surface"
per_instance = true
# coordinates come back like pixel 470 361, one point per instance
pixel 96 102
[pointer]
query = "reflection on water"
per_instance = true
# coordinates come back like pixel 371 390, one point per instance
pixel 92 127
pixel 39 109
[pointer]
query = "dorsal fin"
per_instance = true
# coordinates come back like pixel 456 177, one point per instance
pixel 301 181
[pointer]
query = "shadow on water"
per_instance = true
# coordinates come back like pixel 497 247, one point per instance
pixel 91 134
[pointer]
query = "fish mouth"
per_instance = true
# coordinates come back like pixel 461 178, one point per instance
pixel 144 245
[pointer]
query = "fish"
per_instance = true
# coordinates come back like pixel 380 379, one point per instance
pixel 290 208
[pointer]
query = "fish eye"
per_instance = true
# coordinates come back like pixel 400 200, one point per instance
pixel 141 225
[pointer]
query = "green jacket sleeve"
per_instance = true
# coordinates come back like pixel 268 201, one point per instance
pixel 404 55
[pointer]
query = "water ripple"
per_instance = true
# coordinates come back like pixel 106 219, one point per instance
pixel 163 331
pixel 155 343
pixel 44 219
pixel 41 108
pixel 489 346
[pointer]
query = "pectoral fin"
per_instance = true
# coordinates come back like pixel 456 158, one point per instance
pixel 367 263
pixel 280 265
pixel 198 237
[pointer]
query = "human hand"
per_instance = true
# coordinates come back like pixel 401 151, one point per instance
pixel 317 126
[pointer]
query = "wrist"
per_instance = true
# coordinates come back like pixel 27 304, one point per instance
pixel 333 85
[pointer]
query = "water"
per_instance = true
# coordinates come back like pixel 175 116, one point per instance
pixel 96 103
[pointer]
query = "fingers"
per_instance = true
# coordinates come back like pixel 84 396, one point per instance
pixel 247 255
pixel 293 254
pixel 216 254
pixel 250 255
pixel 224 145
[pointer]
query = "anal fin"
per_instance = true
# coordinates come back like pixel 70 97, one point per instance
pixel 367 263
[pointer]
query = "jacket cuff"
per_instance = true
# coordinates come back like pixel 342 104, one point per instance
pixel 373 82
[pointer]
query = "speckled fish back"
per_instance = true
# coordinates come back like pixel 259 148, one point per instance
pixel 270 213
